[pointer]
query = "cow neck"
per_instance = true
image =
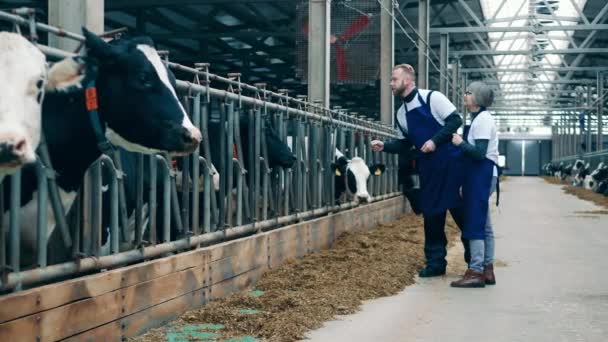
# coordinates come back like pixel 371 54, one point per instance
pixel 92 107
pixel 69 137
pixel 348 190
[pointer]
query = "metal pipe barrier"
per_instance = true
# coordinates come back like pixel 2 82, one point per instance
pixel 244 127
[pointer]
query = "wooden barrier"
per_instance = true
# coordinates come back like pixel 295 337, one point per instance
pixel 128 301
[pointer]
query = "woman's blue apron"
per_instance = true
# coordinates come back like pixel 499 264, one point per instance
pixel 476 191
pixel 441 171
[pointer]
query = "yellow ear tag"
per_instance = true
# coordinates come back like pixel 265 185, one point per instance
pixel 338 173
pixel 378 172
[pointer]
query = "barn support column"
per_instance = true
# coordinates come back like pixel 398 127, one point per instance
pixel 319 23
pixel 387 60
pixel 600 111
pixel 454 96
pixel 443 63
pixel 71 15
pixel 423 40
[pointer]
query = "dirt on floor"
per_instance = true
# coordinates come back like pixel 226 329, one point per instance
pixel 582 193
pixel 302 294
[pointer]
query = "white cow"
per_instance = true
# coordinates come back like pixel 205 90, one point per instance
pixel 22 81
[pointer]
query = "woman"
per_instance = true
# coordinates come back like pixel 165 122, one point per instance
pixel 480 149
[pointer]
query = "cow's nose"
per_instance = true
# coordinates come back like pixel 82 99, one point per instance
pixel 13 151
pixel 191 138
pixel 364 198
pixel 195 135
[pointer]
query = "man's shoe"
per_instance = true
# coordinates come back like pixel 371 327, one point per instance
pixel 429 272
pixel 488 273
pixel 471 279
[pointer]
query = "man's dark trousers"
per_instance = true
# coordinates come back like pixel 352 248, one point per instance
pixel 435 242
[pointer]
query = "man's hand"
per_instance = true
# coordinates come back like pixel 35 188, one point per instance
pixel 377 146
pixel 428 147
pixel 456 139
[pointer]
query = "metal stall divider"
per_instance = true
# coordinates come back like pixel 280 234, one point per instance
pixel 185 186
pixel 229 162
pixel 308 121
pixel 262 163
pixel 223 167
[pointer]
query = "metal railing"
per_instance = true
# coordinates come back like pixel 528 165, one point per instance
pixel 252 197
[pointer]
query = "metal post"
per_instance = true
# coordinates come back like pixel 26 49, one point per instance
pixel 455 79
pixel 41 236
pixel 588 121
pixel 600 111
pixel 15 226
pixel 319 23
pixel 71 15
pixel 443 63
pixel 423 38
pixel 387 60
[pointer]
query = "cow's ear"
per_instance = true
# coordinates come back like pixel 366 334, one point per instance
pixel 336 168
pixel 342 161
pixel 97 47
pixel 377 169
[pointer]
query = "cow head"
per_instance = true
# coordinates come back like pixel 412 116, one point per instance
pixel 22 79
pixel 279 154
pixel 137 98
pixel 352 176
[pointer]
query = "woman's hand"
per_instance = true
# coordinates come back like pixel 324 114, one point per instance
pixel 456 139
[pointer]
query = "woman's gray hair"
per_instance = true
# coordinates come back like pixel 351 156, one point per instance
pixel 483 95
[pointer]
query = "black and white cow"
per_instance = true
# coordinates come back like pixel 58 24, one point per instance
pixel 138 108
pixel 22 79
pixel 279 153
pixel 597 176
pixel 580 172
pixel 351 176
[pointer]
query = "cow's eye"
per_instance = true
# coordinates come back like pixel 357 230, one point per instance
pixel 40 84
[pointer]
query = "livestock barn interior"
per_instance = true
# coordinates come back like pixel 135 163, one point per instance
pixel 217 180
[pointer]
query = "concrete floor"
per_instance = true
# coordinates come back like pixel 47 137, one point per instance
pixel 552 281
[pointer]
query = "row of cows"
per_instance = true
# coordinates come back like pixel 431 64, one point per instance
pixel 133 104
pixel 581 174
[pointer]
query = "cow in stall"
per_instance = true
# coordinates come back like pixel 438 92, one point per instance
pixel 351 176
pixel 279 156
pixel 565 171
pixel 22 80
pixel 138 110
pixel 595 179
pixel 580 172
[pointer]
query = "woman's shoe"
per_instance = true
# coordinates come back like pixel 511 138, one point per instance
pixel 488 272
pixel 471 279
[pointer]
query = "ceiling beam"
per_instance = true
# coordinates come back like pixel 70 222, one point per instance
pixel 528 52
pixel 531 29
pixel 557 69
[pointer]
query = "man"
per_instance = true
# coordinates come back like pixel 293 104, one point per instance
pixel 427 120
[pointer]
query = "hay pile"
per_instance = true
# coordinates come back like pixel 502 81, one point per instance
pixel 554 180
pixel 302 294
pixel 582 193
pixel 587 195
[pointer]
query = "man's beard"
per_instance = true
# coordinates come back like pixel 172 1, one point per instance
pixel 399 91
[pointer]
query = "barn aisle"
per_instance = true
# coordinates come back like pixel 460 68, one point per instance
pixel 552 285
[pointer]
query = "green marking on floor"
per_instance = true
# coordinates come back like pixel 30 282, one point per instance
pixel 256 293
pixel 242 339
pixel 249 311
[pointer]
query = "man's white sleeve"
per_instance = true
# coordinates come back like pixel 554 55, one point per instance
pixel 441 106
